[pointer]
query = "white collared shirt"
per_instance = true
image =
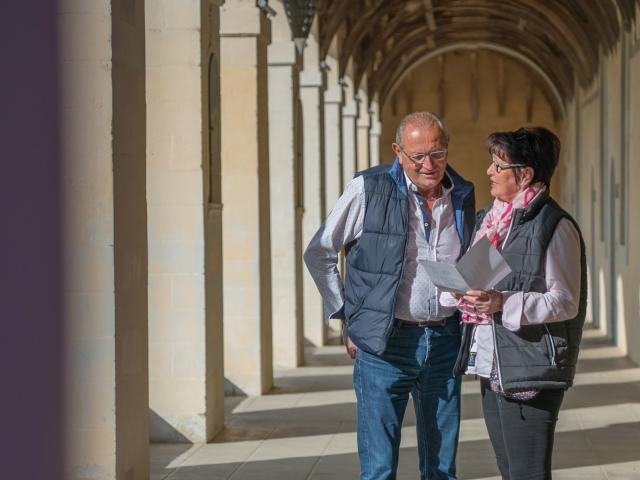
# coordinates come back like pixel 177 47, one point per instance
pixel 417 297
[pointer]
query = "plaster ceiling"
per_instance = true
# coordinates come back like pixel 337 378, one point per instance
pixel 559 41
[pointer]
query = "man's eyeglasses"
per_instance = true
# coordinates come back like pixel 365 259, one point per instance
pixel 420 157
pixel 504 166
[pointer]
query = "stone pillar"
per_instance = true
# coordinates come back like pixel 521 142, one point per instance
pixel 186 391
pixel 374 134
pixel 244 32
pixel 103 134
pixel 349 136
pixel 363 126
pixel 311 94
pixel 285 158
pixel 333 144
pixel 333 175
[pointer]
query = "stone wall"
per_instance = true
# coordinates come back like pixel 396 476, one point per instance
pixel 603 129
pixel 467 97
pixel 103 114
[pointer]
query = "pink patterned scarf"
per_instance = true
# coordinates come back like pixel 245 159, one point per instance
pixel 495 227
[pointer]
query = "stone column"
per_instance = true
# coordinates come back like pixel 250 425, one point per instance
pixel 311 93
pixel 333 175
pixel 349 136
pixel 363 126
pixel 333 144
pixel 244 32
pixel 285 179
pixel 374 134
pixel 102 61
pixel 185 337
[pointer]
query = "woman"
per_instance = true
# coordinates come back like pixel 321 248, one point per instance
pixel 522 338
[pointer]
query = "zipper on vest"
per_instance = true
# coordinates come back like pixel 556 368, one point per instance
pixel 550 345
pixel 493 325
pixel 513 217
pixel 497 355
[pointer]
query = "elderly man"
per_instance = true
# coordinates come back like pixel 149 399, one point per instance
pixel 389 219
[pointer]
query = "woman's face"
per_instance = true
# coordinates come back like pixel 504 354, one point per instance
pixel 503 182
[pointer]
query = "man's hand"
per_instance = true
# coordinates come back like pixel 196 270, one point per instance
pixel 351 347
pixel 484 301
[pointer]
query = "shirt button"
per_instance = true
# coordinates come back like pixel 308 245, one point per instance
pixel 426 224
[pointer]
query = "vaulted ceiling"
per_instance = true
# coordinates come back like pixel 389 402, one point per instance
pixel 560 41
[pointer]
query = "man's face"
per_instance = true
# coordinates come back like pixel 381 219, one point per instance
pixel 419 140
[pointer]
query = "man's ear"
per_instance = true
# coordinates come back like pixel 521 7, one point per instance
pixel 396 149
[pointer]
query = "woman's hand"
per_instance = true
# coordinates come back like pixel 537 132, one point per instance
pixel 482 301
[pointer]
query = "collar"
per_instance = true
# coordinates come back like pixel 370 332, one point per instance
pixel 460 188
pixel 446 182
pixel 536 204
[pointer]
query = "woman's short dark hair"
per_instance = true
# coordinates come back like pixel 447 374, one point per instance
pixel 535 147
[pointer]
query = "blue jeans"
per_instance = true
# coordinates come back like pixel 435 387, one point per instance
pixel 418 361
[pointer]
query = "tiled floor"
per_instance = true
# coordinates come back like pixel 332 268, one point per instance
pixel 305 428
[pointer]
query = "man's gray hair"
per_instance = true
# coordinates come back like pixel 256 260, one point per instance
pixel 422 119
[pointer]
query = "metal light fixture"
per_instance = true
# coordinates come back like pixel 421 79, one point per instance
pixel 300 14
pixel 264 6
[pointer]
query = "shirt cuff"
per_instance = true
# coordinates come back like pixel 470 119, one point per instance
pixel 448 300
pixel 512 307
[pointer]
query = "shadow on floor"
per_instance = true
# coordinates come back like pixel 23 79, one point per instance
pixel 161 431
pixel 591 365
pixel 162 454
pixel 581 396
pixel 613 444
pixel 323 413
pixel 312 384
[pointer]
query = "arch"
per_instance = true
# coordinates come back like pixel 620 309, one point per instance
pixel 545 27
pixel 556 101
pixel 560 41
pixel 538 51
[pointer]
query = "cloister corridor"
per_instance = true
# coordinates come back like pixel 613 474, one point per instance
pixel 167 162
pixel 305 428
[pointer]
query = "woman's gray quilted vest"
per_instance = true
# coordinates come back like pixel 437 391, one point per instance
pixel 537 356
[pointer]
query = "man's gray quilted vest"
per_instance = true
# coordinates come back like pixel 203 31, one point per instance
pixel 374 264
pixel 375 260
pixel 537 356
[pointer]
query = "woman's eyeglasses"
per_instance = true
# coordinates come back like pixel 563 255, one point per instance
pixel 504 166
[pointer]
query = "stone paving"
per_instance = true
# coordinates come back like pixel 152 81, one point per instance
pixel 305 428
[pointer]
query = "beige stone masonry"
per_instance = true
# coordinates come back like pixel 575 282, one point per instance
pixel 244 31
pixel 311 94
pixel 102 67
pixel 333 101
pixel 363 125
pixel 185 336
pixel 285 158
pixel 349 135
pixel 374 136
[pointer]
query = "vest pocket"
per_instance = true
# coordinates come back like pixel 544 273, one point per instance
pixel 550 345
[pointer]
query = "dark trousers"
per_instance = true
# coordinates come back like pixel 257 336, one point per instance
pixel 521 432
